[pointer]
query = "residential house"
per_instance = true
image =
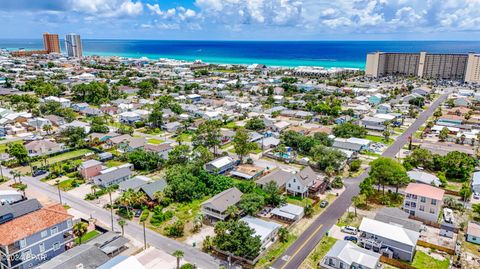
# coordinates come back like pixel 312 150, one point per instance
pixel 43 147
pixel 56 120
pixel 110 243
pixel 38 232
pixel 125 143
pixel 387 239
pixel 76 123
pixel 352 144
pixel 288 212
pixel 90 168
pixel 63 101
pixel 280 126
pixel 266 230
pixel 476 182
pixel 424 177
pixel 134 183
pixel 384 108
pixel 300 183
pixel 113 175
pixel 152 187
pixel 161 149
pixel 268 142
pixel 462 102
pixel 345 254
pixel 247 171
pixel 129 117
pixel 450 120
pixel 220 165
pixel 172 127
pixel 38 123
pixel 423 201
pixel 473 233
pixel 79 106
pixel 216 207
pixel 373 123
pixel 376 99
pixel 10 197
pixel 279 176
pixel 397 216
pixel 82 256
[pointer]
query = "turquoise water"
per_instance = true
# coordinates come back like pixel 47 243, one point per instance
pixel 272 53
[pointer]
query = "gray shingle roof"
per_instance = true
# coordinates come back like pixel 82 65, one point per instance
pixel 224 199
pixel 88 255
pixel 151 188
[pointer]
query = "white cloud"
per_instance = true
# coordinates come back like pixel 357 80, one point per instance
pixel 107 8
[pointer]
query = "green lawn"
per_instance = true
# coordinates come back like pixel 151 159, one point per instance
pixel 378 139
pixel 231 125
pixel 319 252
pixel 113 163
pixel 184 137
pixel 275 251
pixel 423 261
pixel 69 184
pixel 87 237
pixel 63 157
pixel 155 141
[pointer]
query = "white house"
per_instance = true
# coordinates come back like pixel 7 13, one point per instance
pixel 300 182
pixel 345 254
pixel 220 165
pixel 267 230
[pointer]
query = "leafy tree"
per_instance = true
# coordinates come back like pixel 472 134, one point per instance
pixel 47 128
pixel 183 185
pixel 255 124
pixel 146 87
pixel 366 188
pixel 355 165
pixel 273 195
pixel 388 171
pixel 465 192
pixel 328 157
pixel 156 117
pixel 347 130
pixel 95 93
pixel 241 143
pixel 337 183
pixel 232 211
pixel 458 165
pixel 237 238
pixel 208 135
pixel 175 229
pixel 125 129
pixel 308 208
pixel 179 155
pixel 420 158
pixel 283 235
pixel 75 136
pixel 144 160
pixel 41 87
pixel 18 151
pixel 251 203
pixel 122 223
pixel 358 200
pixel 443 135
pixel 79 230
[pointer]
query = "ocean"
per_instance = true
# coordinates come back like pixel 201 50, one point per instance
pixel 271 53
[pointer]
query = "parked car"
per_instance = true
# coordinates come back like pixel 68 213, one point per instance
pixel 138 213
pixel 350 238
pixel 349 230
pixel 38 173
pixel 323 203
pixel 476 195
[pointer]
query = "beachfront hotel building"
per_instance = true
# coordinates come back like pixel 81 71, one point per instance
pixel 73 45
pixel 51 43
pixel 461 67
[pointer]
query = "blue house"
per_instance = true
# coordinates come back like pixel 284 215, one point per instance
pixel 31 235
pixel 376 99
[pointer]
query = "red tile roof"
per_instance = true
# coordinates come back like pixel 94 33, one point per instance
pixel 425 190
pixel 32 223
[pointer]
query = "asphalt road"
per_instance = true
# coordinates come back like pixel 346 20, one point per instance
pixel 293 257
pixel 132 229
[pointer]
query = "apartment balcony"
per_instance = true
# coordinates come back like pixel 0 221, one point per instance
pixel 68 236
pixel 370 243
pixel 214 214
pixel 12 248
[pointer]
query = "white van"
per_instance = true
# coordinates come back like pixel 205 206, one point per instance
pixel 349 230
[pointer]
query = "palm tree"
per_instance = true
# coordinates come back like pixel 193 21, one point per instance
pixel 179 255
pixel 232 211
pixel 23 188
pixel 159 195
pixel 47 128
pixel 355 201
pixel 14 176
pixel 94 189
pixel 122 223
pixel 79 230
pixel 283 235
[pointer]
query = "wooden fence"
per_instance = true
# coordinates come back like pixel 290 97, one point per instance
pixel 395 263
pixel 437 247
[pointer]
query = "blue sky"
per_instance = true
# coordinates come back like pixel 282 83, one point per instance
pixel 244 19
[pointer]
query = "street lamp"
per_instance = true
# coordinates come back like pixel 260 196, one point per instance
pixel 144 237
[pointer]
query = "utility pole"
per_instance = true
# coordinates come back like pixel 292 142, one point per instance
pixel 144 237
pixel 59 192
pixel 111 207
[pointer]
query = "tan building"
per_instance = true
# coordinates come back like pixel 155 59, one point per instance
pixel 423 201
pixel 51 43
pixel 463 67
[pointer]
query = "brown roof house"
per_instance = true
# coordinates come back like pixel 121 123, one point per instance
pixel 43 147
pixel 216 207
